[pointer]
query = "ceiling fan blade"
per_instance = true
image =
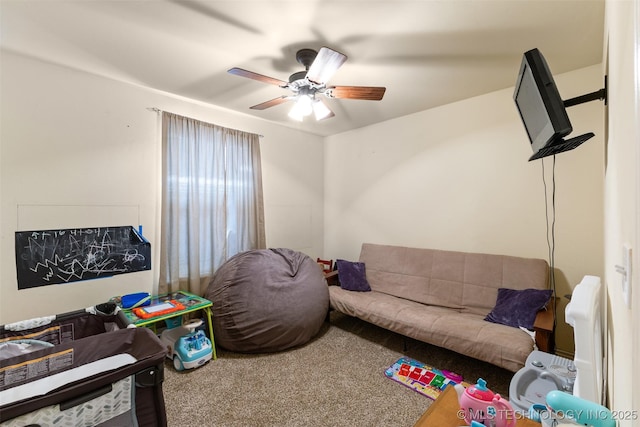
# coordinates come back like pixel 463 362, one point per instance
pixel 325 65
pixel 271 103
pixel 259 77
pixel 369 93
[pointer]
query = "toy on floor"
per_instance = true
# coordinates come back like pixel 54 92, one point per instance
pixel 187 347
pixel 422 378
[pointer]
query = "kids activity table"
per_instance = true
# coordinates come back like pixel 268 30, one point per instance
pixel 190 301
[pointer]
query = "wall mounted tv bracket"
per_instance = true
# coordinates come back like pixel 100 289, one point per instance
pixel 600 95
pixel 569 144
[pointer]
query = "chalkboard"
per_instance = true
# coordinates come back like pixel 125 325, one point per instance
pixel 49 257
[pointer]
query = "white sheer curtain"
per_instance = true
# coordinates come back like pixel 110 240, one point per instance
pixel 212 204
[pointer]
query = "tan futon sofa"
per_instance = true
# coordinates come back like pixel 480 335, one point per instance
pixel 442 297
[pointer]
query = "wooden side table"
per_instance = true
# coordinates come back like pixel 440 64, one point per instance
pixel 332 278
pixel 544 327
pixel 444 412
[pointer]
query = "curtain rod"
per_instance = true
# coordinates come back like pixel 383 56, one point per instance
pixel 157 110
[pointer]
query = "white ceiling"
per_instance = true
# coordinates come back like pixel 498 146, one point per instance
pixel 425 52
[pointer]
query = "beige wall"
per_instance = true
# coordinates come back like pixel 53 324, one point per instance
pixel 457 177
pixel 81 151
pixel 622 204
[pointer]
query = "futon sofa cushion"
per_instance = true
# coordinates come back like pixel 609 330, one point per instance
pixel 459 280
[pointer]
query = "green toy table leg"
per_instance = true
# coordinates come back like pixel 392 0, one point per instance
pixel 213 343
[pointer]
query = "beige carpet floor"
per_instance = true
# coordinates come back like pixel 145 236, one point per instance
pixel 337 379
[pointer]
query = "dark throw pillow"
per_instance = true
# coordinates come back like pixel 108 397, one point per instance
pixel 352 276
pixel 518 308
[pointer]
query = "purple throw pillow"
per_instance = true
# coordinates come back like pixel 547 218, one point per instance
pixel 518 308
pixel 352 276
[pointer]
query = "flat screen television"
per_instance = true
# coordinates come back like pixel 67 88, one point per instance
pixel 541 108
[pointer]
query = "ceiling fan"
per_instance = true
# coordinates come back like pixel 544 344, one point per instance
pixel 305 85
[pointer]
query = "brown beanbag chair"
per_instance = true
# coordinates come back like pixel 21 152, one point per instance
pixel 267 300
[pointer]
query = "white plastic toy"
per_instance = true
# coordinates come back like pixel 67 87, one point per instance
pixel 187 347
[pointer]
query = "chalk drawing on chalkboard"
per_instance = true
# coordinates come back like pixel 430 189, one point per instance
pixel 49 257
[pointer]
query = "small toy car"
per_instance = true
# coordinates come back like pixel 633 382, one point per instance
pixel 186 346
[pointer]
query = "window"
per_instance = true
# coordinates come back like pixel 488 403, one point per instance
pixel 212 200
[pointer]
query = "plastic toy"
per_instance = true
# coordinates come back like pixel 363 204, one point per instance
pixel 422 378
pixel 566 409
pixel 138 299
pixel 478 403
pixel 187 347
pixel 156 310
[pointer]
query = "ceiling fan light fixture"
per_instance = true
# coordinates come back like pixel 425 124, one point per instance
pixel 302 108
pixel 320 110
pixel 295 114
